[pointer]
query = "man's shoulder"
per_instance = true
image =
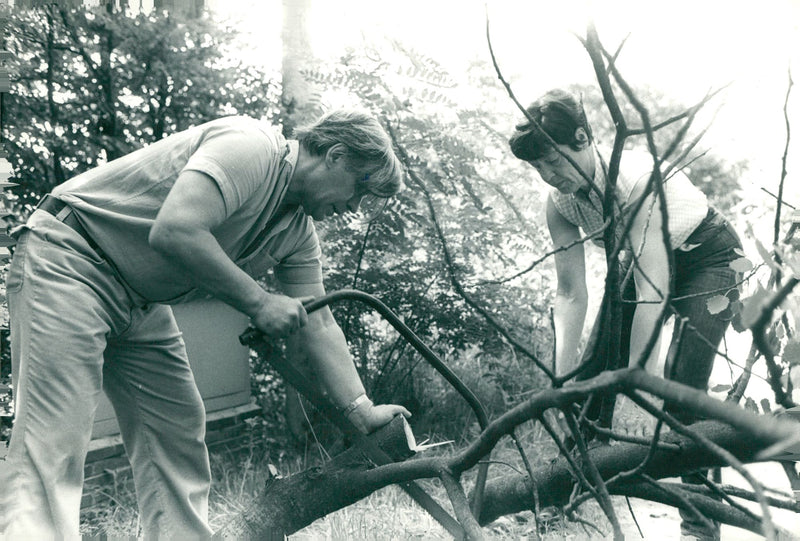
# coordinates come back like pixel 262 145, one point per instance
pixel 240 125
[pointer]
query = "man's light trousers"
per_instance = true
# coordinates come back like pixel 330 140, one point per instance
pixel 75 332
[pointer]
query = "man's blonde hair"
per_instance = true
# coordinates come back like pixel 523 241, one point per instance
pixel 369 148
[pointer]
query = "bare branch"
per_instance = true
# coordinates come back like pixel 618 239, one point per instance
pixel 738 389
pixel 591 236
pixel 613 59
pixel 631 439
pixel 722 494
pixel 532 120
pixel 457 286
pixel 777 199
pixel 680 116
pixel 687 503
pixel 783 160
pixel 575 469
pixel 603 497
pixel 532 476
pixel 739 492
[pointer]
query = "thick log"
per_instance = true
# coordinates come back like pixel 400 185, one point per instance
pixel 289 504
pixel 512 493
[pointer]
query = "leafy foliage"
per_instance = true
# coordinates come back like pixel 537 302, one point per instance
pixel 91 86
pixel 781 344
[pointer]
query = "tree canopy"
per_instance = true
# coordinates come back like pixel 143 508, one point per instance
pixel 461 254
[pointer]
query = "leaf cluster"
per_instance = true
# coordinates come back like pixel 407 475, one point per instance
pixel 90 86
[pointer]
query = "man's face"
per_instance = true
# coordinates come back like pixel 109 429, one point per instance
pixel 334 190
pixel 559 173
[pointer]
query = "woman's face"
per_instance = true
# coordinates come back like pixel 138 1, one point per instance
pixel 559 173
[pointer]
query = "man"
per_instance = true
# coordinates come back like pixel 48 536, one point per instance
pixel 702 242
pixel 204 211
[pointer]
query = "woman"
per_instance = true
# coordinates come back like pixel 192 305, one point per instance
pixel 702 242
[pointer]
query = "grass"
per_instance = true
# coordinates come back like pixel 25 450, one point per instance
pixel 387 514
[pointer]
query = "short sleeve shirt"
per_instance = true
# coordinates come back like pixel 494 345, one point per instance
pixel 251 164
pixel 686 204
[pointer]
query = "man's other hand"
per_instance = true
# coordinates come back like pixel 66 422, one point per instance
pixel 369 417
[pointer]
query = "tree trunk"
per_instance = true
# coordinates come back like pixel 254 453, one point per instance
pixel 296 93
pixel 191 9
pixel 297 108
pixel 53 59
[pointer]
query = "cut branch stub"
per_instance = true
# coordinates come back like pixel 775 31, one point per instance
pixel 291 503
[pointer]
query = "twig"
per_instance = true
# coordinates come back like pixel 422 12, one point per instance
pixel 613 59
pixel 604 498
pixel 780 503
pixel 472 530
pixel 721 493
pixel 662 445
pixel 759 329
pixel 777 198
pixel 650 454
pixel 740 386
pixel 528 116
pixel 677 493
pixel 575 468
pixel 783 160
pixel 532 476
pixel 590 236
pixel 583 522
pixel 672 166
pixel 636 471
pixel 633 516
pixel 680 116
pixel 500 462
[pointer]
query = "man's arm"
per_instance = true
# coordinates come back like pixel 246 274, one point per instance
pixel 182 234
pixel 651 273
pixel 323 343
pixel 569 311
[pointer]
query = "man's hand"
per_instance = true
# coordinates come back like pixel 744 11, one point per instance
pixel 280 315
pixel 369 417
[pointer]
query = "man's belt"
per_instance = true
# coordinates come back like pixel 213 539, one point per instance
pixel 64 214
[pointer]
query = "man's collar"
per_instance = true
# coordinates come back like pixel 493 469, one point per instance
pixel 294 150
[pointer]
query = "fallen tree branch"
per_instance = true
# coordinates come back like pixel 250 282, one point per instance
pixel 506 494
pixel 472 530
pixel 709 507
pixel 724 454
pixel 294 502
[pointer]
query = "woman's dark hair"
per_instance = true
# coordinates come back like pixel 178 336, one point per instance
pixel 559 113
